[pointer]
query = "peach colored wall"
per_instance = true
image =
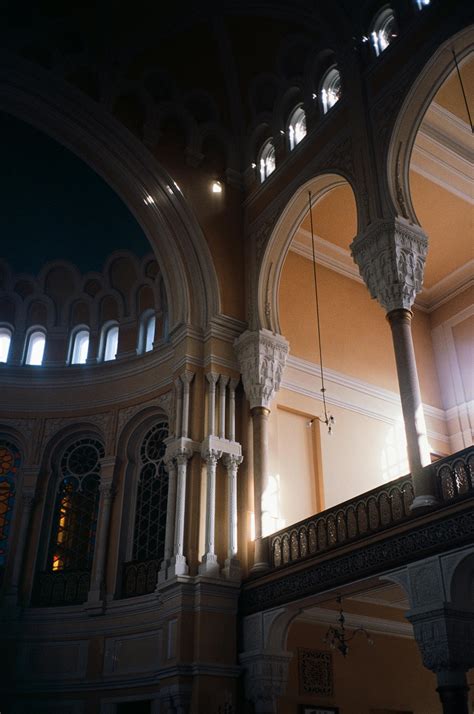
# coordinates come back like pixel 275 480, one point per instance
pixel 356 337
pixel 387 675
pixel 463 334
pixel 452 307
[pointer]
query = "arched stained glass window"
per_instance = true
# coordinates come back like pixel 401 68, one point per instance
pixel 152 496
pixel 9 465
pixel 296 127
pixel 73 533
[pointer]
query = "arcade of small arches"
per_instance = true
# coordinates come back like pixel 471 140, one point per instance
pixel 63 318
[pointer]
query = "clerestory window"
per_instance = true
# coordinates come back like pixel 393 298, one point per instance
pixel 330 89
pixel 5 342
pixel 80 347
pixel 35 348
pixel 384 31
pixel 296 127
pixel 110 335
pixel 267 160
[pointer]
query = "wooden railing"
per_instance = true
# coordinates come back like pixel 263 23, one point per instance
pixel 372 512
pixel 61 588
pixel 140 577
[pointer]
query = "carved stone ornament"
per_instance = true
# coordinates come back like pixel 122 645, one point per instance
pixel 391 256
pixel 266 677
pixel 262 357
pixel 445 638
pixel 315 672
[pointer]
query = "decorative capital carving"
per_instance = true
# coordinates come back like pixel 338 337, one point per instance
pixel 212 378
pixel 232 461
pixel 391 257
pixel 223 382
pixel 262 356
pixel 211 457
pixel 186 378
pixel 266 677
pixel 445 638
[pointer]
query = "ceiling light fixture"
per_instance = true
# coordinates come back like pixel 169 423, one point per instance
pixel 328 419
pixel 337 637
pixel 216 187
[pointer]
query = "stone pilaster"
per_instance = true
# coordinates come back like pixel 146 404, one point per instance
pixel 96 592
pixel 209 565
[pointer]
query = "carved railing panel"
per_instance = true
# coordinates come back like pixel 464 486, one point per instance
pixel 140 577
pixel 370 513
pixel 455 475
pixel 61 588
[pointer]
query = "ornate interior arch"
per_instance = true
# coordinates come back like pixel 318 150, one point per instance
pixel 84 127
pixel 416 103
pixel 279 244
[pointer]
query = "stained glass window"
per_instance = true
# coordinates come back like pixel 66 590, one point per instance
pixel 77 501
pixel 9 465
pixel 152 495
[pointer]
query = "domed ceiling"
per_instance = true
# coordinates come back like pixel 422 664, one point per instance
pixel 55 207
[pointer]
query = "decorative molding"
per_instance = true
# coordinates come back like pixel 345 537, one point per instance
pixel 262 356
pixel 163 401
pixel 391 257
pixel 358 387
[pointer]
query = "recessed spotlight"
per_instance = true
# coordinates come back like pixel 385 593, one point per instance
pixel 216 187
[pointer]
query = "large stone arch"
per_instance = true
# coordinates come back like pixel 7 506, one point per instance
pixel 87 129
pixel 410 116
pixel 280 240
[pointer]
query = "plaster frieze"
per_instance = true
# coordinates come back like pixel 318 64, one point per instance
pixel 262 356
pixel 391 257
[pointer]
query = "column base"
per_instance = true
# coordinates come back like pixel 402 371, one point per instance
pixel 178 566
pixel 232 570
pixel 209 566
pixel 453 691
pixel 427 501
pixel 94 604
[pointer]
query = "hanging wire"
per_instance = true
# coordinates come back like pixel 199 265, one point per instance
pixel 462 89
pixel 328 419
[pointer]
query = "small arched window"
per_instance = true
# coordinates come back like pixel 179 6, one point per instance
pixel 5 342
pixel 149 322
pixel 9 465
pixel 296 127
pixel 111 335
pixel 35 349
pixel 267 161
pixel 71 546
pixel 80 347
pixel 330 89
pixel 422 4
pixel 384 30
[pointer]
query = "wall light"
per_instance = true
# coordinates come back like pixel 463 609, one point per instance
pixel 216 187
pixel 149 200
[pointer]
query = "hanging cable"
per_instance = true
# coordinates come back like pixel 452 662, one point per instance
pixel 462 90
pixel 328 419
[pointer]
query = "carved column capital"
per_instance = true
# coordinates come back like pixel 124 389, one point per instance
pixel 391 256
pixel 445 638
pixel 266 677
pixel 262 356
pixel 232 461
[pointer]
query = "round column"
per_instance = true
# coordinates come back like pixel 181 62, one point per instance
pixel 412 407
pixel 453 691
pixel 260 482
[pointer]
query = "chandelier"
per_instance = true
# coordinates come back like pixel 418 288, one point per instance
pixel 338 638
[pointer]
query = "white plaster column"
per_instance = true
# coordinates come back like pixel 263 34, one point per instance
pixel 391 256
pixel 107 467
pixel 170 515
pixel 209 564
pixel 178 562
pixel 212 378
pixel 223 382
pixel 262 357
pixel 27 501
pixel 186 378
pixel 232 566
pixel 231 409
pixel 178 385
